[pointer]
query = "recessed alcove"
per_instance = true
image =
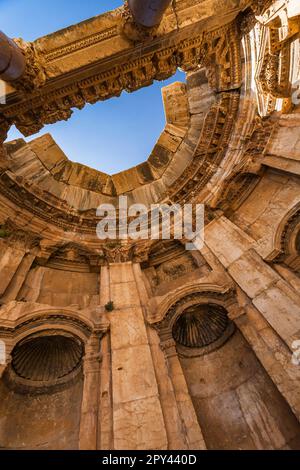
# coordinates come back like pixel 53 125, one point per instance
pixel 236 403
pixel 41 392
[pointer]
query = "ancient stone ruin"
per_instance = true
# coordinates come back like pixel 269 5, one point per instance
pixel 142 344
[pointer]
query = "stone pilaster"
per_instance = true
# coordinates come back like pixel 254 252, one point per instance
pixel 105 436
pixel 89 422
pixel 190 425
pixel 138 421
pixel 177 438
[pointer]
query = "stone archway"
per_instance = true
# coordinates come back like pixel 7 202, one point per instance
pixel 41 392
pixel 235 401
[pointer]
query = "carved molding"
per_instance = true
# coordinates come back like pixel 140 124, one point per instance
pixel 211 148
pixel 219 51
pixel 247 173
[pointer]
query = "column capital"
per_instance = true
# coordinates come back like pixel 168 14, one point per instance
pixel 168 346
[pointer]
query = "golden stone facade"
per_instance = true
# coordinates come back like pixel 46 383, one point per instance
pixel 197 350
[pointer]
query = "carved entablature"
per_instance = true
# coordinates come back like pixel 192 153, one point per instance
pixel 48 107
pixel 220 55
pixel 4 128
pixel 276 33
pixel 168 261
pixel 214 138
pixel 247 19
pixel 218 51
pixel 44 205
pixel 18 238
pixel 70 256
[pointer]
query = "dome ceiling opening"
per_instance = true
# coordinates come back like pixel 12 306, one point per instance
pixel 113 135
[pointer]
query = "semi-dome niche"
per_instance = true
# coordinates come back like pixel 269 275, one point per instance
pixel 47 358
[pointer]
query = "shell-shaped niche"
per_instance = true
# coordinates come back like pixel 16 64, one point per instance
pixel 47 358
pixel 200 325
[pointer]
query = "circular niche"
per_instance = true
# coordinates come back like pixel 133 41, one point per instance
pixel 47 358
pixel 202 327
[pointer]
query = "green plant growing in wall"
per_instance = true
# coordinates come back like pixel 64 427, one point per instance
pixel 109 307
pixel 3 233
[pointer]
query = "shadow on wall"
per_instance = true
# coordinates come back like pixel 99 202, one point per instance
pixel 237 404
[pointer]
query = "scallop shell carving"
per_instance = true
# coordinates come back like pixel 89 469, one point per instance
pixel 46 358
pixel 200 326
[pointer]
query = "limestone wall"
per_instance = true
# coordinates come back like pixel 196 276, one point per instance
pixel 237 405
pixel 38 422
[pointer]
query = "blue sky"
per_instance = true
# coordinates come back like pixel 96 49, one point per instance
pixel 112 135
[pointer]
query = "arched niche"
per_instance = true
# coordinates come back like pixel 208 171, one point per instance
pixel 236 403
pixel 41 388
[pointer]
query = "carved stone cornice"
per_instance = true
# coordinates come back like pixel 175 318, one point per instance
pixel 247 19
pixel 49 106
pixel 210 150
pixel 218 51
pixel 141 252
pixel 18 238
pixel 4 128
pixel 220 55
pixel 45 206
